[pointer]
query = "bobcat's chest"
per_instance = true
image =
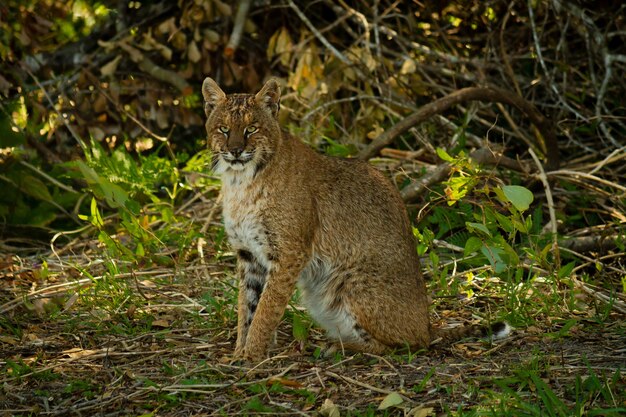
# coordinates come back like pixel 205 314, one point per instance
pixel 243 210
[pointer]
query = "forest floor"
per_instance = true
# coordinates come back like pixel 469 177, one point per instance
pixel 157 342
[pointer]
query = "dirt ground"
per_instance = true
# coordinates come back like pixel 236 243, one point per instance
pixel 166 352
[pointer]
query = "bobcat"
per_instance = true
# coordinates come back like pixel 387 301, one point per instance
pixel 336 228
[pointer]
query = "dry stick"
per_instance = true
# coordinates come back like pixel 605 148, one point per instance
pixel 489 94
pixel 531 15
pixel 505 58
pixel 612 157
pixel 576 174
pixel 318 34
pixel 591 243
pixel 361 384
pixel 481 156
pixel 240 21
pixel 591 261
pixel 548 190
pixel 599 295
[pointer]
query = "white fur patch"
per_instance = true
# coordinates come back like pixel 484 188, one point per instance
pixel 318 298
pixel 241 213
pixel 505 331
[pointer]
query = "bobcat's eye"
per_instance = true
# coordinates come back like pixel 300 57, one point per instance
pixel 223 129
pixel 251 129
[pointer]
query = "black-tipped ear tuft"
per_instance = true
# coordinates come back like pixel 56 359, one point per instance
pixel 212 95
pixel 270 96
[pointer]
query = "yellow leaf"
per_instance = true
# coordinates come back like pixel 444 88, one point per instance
pixel 308 74
pixel 408 67
pixel 280 44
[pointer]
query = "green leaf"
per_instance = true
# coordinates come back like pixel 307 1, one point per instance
pixel 472 245
pixel 458 187
pixel 391 400
pixel 505 223
pixel 494 255
pixel 95 218
pixel 300 328
pixel 520 197
pixel 34 187
pixel 472 226
pixel 441 153
pixel 565 270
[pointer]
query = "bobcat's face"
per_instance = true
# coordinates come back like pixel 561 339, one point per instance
pixel 242 128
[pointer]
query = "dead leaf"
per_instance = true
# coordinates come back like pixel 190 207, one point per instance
pixel 147 283
pixel 280 44
pixel 308 74
pixel 373 134
pixel 421 412
pixel 8 339
pixel 109 68
pixel 391 400
pixel 168 26
pixel 329 409
pixel 284 382
pixel 193 53
pixel 76 353
pixel 70 301
pixel 149 43
pixel 179 40
pixel 161 323
pixel 224 8
pixel 408 66
pixel 134 53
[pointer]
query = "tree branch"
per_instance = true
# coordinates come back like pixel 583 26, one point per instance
pixel 546 138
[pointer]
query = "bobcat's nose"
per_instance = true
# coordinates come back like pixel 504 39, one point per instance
pixel 236 152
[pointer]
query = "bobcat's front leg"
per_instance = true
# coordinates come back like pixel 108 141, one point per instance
pixel 252 278
pixel 281 283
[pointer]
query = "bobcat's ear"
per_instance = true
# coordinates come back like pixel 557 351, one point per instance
pixel 213 95
pixel 270 96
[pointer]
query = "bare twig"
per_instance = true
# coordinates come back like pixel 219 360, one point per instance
pixel 551 211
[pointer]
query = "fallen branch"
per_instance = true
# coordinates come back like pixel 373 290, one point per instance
pixel 547 138
pixel 598 243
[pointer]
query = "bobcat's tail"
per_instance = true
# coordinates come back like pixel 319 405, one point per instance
pixel 498 330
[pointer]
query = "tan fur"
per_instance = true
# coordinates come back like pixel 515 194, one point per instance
pixel 337 228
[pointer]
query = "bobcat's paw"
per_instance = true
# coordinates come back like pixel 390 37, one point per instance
pixel 254 356
pixel 239 353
